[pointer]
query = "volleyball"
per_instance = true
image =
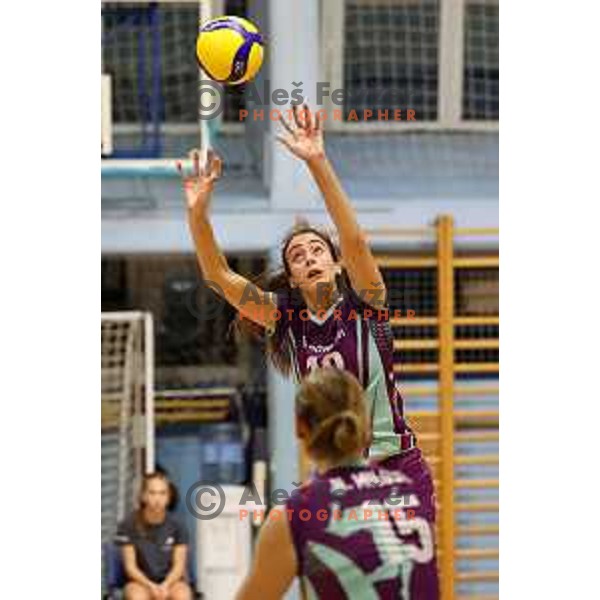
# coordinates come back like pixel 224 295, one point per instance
pixel 230 49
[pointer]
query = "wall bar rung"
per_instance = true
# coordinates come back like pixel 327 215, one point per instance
pixel 477 507
pixel 477 483
pixel 477 553
pixel 416 344
pixel 478 530
pixel 407 262
pixel 476 262
pixel 477 344
pixel 477 576
pixel 477 367
pixel 483 459
pixel 483 320
pixel 416 368
pixel 475 391
pixel 413 321
pixel 477 436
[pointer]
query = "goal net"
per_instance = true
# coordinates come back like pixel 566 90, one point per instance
pixel 127 445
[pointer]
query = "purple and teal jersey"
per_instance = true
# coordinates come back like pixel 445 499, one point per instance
pixel 357 338
pixel 367 533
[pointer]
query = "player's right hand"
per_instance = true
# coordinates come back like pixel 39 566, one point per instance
pixel 198 185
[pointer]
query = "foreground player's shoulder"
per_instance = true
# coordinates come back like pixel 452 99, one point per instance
pixel 302 494
pixel 310 496
pixel 275 564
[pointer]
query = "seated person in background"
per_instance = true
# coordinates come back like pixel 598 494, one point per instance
pixel 154 546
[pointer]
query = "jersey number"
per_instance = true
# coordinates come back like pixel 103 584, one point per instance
pixel 397 557
pixel 331 360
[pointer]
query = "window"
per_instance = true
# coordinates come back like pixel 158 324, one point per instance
pixel 481 75
pixel 385 55
pixel 390 56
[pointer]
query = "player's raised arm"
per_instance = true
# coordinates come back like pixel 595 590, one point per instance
pixel 242 294
pixel 304 138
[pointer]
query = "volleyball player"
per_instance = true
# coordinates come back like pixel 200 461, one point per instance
pixel 354 531
pixel 327 307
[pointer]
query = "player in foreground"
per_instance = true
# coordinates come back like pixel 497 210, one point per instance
pixel 354 531
pixel 154 546
pixel 327 306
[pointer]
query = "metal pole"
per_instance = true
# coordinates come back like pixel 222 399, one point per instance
pixel 205 138
pixel 149 389
pixel 450 62
pixel 283 448
pixel 294 59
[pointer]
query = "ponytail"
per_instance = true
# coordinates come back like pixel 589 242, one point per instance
pixel 339 434
pixel 331 404
pixel 276 346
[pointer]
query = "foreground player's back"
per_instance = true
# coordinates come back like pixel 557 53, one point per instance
pixel 355 531
pixel 359 533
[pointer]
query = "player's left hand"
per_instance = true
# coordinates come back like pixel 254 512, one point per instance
pixel 198 186
pixel 304 136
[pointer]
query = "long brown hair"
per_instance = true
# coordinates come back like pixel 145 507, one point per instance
pixel 139 520
pixel 278 281
pixel 331 403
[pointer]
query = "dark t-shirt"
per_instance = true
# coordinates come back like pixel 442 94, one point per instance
pixel 154 545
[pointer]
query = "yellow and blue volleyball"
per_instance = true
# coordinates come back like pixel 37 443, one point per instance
pixel 230 50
